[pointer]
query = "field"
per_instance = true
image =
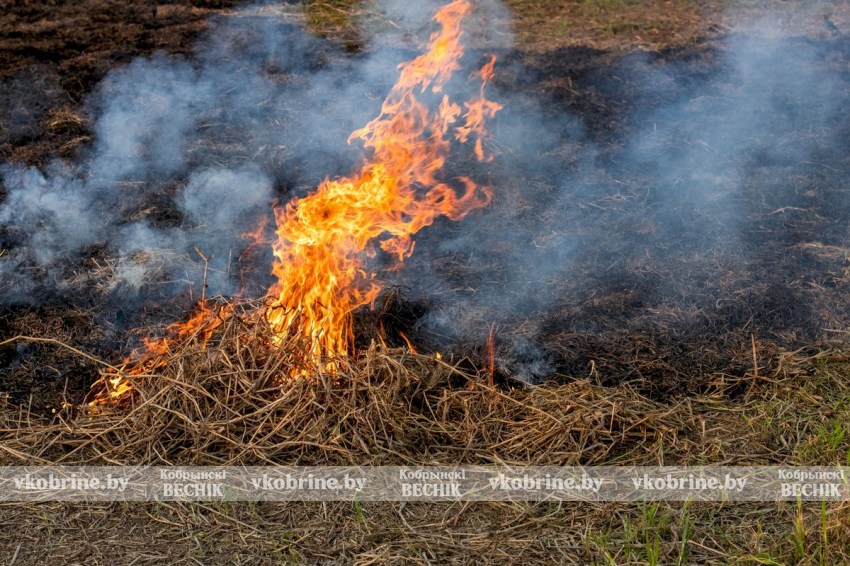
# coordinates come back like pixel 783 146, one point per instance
pixel 662 276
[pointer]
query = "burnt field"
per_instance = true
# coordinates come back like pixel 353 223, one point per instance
pixel 660 277
pixel 659 219
pixel 695 227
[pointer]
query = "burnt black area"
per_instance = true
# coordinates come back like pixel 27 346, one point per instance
pixel 393 318
pixel 645 279
pixel 669 278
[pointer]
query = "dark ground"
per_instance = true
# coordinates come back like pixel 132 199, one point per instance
pixel 671 281
pixel 52 54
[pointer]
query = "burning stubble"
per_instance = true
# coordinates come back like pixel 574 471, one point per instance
pixel 661 222
pixel 324 238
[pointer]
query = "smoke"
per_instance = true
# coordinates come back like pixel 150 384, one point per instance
pixel 628 218
pixel 189 154
pixel 608 185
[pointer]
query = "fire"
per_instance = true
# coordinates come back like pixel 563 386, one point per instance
pixel 477 112
pixel 115 385
pixel 324 240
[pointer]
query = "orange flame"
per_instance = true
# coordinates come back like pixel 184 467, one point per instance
pixel 118 384
pixel 257 236
pixel 477 111
pixel 324 237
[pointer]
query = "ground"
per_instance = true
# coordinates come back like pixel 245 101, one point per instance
pixel 753 370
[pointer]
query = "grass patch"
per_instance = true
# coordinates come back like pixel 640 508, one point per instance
pixel 806 417
pixel 423 533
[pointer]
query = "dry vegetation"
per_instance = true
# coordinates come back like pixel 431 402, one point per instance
pixel 225 405
pixel 615 25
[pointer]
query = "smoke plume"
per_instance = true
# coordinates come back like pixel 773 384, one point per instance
pixel 625 182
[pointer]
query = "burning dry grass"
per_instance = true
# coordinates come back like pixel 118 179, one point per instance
pixel 226 403
pixel 225 398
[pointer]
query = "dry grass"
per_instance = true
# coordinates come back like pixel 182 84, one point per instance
pixel 226 404
pixel 70 127
pixel 424 533
pixel 613 25
pixel 228 401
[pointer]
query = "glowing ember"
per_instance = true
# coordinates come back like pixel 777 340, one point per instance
pixel 324 239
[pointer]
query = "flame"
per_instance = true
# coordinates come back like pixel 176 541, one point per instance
pixel 477 112
pixel 118 384
pixel 323 240
pixel 491 355
pixel 257 236
pixel 407 341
